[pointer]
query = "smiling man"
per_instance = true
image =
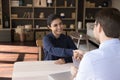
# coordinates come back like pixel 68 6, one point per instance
pixel 57 46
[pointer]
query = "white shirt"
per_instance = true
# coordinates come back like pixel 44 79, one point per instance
pixel 102 63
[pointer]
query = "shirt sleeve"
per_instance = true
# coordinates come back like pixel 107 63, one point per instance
pixel 56 51
pixel 85 71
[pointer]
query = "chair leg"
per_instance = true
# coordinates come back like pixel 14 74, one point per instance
pixel 88 46
pixel 78 43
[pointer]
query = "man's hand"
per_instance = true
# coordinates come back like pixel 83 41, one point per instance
pixel 73 71
pixel 78 54
pixel 60 61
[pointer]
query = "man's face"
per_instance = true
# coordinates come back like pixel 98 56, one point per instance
pixel 96 31
pixel 56 27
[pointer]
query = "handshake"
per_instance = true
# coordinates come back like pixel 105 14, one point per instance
pixel 77 56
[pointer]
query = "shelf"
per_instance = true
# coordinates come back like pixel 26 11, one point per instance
pixel 4 29
pixel 40 18
pixel 66 7
pixel 48 29
pixel 68 19
pixel 36 11
pixel 43 7
pixel 21 7
pixel 22 18
pixel 95 7
pixel 28 13
pixel 39 29
pixel 68 29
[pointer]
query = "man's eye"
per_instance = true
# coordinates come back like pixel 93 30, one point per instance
pixel 55 25
pixel 61 24
pixel 58 24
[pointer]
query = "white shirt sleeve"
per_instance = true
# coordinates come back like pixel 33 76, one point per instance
pixel 85 71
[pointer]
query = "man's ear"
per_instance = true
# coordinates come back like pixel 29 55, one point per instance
pixel 99 28
pixel 48 27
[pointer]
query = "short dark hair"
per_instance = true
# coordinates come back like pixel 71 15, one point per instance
pixel 109 19
pixel 52 17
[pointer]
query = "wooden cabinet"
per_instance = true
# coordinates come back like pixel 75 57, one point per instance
pixel 69 9
pixel 21 13
pixel 35 13
pixel 91 7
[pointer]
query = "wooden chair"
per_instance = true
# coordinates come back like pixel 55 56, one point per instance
pixel 40 50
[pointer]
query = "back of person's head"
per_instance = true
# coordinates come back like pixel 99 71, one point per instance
pixel 109 19
pixel 52 17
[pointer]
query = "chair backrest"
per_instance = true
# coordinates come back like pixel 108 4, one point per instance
pixel 40 49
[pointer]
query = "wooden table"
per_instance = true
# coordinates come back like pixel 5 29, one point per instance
pixel 37 70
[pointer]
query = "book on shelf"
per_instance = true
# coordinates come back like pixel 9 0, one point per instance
pixel 36 3
pixel 43 3
pixel 28 15
pixel 40 3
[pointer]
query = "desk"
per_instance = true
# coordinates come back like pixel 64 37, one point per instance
pixel 37 70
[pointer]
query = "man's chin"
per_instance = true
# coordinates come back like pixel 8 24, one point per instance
pixel 59 32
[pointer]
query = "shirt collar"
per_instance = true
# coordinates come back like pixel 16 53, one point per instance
pixel 54 36
pixel 108 42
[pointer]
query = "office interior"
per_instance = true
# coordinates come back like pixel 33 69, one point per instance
pixel 23 23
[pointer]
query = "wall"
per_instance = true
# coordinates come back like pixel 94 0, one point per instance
pixel 116 4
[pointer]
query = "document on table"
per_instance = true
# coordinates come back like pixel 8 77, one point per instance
pixel 60 76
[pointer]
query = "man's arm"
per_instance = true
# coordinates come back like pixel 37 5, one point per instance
pixel 85 70
pixel 73 71
pixel 56 51
pixel 77 56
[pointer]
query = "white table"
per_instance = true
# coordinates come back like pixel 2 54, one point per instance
pixel 37 70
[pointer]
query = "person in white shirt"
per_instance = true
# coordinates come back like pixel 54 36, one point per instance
pixel 102 63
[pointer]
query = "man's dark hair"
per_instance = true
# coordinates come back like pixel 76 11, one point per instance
pixel 109 19
pixel 52 17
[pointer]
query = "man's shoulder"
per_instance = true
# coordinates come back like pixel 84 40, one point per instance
pixel 93 53
pixel 47 37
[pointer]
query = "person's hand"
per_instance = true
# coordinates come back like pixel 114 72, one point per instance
pixel 73 71
pixel 78 54
pixel 60 61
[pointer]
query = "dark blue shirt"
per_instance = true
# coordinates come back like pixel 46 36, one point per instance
pixel 55 48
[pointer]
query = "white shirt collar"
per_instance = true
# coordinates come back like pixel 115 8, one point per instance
pixel 108 42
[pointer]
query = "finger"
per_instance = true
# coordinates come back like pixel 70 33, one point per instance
pixel 81 52
pixel 75 57
pixel 78 58
pixel 60 61
pixel 56 62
